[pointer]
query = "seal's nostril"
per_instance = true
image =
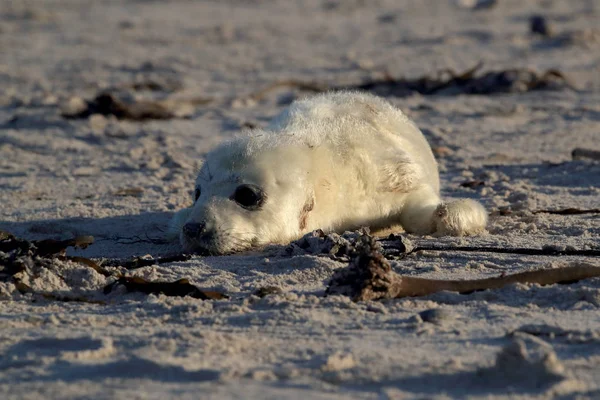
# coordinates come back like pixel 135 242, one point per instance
pixel 193 229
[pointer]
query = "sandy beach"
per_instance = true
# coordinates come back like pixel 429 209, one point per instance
pixel 503 99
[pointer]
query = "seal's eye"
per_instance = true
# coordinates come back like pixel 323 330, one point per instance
pixel 248 196
pixel 196 194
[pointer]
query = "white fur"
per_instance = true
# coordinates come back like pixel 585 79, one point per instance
pixel 352 156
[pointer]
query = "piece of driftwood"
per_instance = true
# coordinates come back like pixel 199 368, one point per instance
pixel 370 277
pixel 569 211
pixel 582 154
pixel 396 245
pixel 544 251
pixel 130 191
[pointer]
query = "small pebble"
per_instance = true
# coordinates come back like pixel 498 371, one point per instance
pixel 436 315
pixel 401 244
pixel 377 308
pixel 442 151
pixel 50 100
pixel 415 319
pixel 243 103
pixel 86 171
pixel 97 122
pixel 539 25
pixel 73 106
pixel 339 362
pixel 267 290
pixel 387 18
pixel 183 110
pixel 476 4
pixel 126 25
pixel 557 248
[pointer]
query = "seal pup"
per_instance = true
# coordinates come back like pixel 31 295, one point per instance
pixel 336 162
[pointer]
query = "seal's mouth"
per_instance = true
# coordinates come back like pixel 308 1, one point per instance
pixel 198 246
pixel 214 245
pixel 199 251
pixel 206 252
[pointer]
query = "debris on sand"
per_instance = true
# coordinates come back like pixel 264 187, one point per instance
pixel 473 184
pixel 448 82
pixel 436 316
pixel 549 36
pixel 179 288
pixel 342 247
pixel 444 82
pixel 556 333
pixel 17 253
pixel 147 260
pixel 136 110
pixel 319 243
pixel 526 361
pixel 155 85
pixel 129 191
pixel 370 277
pixel 24 263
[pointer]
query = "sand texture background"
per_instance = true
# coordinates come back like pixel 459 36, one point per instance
pixel 120 180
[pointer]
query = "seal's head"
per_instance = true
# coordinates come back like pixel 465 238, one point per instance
pixel 249 192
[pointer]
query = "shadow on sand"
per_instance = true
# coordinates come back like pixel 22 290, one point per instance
pixel 115 237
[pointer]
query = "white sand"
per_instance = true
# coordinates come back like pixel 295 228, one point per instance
pixel 58 178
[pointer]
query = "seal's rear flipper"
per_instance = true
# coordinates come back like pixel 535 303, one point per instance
pixel 425 213
pixel 462 217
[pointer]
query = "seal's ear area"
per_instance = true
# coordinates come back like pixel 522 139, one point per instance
pixel 306 209
pixel 399 174
pixel 176 224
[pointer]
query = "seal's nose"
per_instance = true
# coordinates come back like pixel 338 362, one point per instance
pixel 194 229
